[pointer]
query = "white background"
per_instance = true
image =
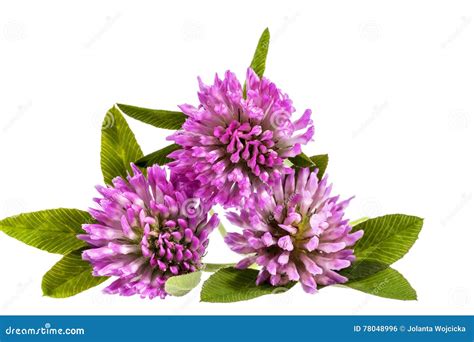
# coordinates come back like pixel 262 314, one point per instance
pixel 391 88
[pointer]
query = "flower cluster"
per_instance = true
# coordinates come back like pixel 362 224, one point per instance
pixel 232 152
pixel 231 144
pixel 239 147
pixel 296 232
pixel 146 231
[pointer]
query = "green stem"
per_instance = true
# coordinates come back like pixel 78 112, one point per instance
pixel 215 267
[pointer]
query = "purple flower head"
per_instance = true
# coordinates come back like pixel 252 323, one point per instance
pixel 295 232
pixel 146 231
pixel 231 144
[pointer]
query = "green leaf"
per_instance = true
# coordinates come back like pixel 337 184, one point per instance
pixel 387 238
pixel 159 157
pixel 53 230
pixel 260 56
pixel 180 285
pixel 388 283
pixel 361 269
pixel 159 118
pixel 302 160
pixel 119 146
pixel 232 285
pixel 70 276
pixel 215 267
pixel 321 163
pixel 359 221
